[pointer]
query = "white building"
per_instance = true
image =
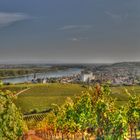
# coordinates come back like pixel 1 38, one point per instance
pixel 44 81
pixel 87 77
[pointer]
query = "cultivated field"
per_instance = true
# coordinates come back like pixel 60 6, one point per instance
pixel 40 97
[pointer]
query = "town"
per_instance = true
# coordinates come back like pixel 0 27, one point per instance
pixel 116 76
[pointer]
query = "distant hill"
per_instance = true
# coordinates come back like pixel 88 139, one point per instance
pixel 123 65
pixel 126 64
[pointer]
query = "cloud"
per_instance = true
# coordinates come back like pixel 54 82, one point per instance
pixel 76 39
pixel 75 27
pixel 7 19
pixel 117 17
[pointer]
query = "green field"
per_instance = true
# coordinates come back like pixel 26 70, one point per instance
pixel 120 93
pixel 42 96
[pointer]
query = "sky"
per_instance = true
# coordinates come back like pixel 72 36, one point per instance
pixel 69 31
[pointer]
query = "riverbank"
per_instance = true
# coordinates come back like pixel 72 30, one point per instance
pixel 6 73
pixel 48 74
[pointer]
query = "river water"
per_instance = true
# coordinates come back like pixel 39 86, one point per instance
pixel 53 74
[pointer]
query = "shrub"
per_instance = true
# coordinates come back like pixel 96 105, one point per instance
pixel 11 121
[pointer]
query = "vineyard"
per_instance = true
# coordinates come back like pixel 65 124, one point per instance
pixel 95 114
pixel 92 115
pixel 41 96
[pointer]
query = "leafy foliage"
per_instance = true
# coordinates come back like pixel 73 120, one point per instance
pixel 11 122
pixel 133 114
pixel 95 113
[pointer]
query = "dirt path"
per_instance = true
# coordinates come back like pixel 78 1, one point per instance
pixel 31 136
pixel 22 91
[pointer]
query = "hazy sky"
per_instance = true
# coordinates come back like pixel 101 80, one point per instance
pixel 69 31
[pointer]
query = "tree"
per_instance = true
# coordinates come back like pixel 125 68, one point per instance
pixel 11 121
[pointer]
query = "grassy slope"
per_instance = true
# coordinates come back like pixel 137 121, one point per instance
pixel 41 96
pixel 120 93
pixel 14 88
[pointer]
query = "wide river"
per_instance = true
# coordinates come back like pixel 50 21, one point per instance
pixel 53 74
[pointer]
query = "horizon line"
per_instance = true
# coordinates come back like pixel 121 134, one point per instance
pixel 64 63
